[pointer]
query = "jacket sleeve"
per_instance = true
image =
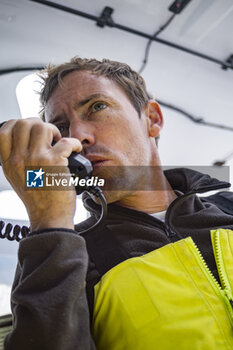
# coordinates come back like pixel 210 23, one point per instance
pixel 49 303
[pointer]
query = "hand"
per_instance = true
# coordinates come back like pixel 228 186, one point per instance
pixel 28 142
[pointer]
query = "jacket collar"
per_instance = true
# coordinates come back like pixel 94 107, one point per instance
pixel 184 180
pixel 192 181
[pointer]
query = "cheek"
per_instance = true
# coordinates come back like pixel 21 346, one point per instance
pixel 109 129
pixel 120 133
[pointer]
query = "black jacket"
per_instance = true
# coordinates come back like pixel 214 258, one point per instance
pixel 48 296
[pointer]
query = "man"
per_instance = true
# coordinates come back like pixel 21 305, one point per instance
pixel 147 285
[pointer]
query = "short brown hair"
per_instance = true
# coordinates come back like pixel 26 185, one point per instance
pixel 122 74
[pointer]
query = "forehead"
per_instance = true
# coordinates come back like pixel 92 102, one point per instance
pixel 77 86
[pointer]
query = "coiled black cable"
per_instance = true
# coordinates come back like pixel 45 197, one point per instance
pixel 96 191
pixel 17 234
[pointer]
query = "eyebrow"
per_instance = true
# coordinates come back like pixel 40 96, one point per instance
pixel 78 105
pixel 58 118
pixel 89 98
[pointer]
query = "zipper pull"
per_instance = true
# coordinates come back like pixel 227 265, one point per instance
pixel 229 296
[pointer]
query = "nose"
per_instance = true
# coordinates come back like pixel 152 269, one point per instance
pixel 82 131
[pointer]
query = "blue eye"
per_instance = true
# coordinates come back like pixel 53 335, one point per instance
pixel 62 128
pixel 96 107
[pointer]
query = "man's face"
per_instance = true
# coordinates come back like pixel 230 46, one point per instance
pixel 98 112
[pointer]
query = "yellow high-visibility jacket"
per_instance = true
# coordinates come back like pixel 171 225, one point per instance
pixel 167 299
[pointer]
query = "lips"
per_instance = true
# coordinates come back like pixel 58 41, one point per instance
pixel 97 164
pixel 96 161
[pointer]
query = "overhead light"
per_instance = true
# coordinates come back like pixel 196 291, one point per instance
pixel 178 6
pixel 28 97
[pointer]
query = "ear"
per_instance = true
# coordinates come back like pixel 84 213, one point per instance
pixel 154 118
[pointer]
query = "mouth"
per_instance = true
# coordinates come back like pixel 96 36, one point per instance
pixel 97 161
pixel 96 164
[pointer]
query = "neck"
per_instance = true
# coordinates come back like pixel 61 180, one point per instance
pixel 157 198
pixel 149 203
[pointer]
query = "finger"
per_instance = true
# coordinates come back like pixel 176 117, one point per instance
pixel 65 146
pixel 16 136
pixel 42 136
pixel 6 139
pixel 21 135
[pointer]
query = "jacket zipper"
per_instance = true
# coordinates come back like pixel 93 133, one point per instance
pixel 215 235
pixel 223 290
